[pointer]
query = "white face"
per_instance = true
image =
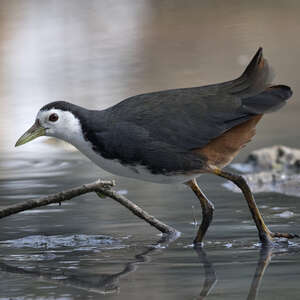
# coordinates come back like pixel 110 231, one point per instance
pixel 60 124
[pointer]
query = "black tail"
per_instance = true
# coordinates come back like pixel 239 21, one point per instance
pixel 254 88
pixel 255 79
pixel 271 99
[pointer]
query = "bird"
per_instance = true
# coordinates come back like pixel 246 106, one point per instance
pixel 174 136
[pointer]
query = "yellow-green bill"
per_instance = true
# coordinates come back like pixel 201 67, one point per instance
pixel 32 133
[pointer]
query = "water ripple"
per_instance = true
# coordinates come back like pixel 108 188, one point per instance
pixel 78 242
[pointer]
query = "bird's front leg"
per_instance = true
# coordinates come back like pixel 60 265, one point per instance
pixel 207 212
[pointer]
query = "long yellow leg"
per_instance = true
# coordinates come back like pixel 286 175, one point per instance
pixel 207 211
pixel 265 235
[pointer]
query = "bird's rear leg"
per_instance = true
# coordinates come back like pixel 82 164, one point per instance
pixel 207 212
pixel 265 235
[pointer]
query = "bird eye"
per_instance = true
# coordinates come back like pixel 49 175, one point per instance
pixel 53 117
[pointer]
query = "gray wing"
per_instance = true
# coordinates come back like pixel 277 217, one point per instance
pixel 191 117
pixel 133 146
pixel 186 118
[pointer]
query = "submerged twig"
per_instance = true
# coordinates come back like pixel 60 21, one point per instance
pixel 100 187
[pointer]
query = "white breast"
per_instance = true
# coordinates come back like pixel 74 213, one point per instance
pixel 115 167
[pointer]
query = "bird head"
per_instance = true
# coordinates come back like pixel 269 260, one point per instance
pixel 57 119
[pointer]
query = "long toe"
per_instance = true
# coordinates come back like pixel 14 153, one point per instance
pixel 284 235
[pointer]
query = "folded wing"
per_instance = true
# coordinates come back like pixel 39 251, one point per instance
pixel 191 117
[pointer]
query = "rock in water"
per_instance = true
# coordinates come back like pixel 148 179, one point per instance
pixel 275 158
pixel 272 169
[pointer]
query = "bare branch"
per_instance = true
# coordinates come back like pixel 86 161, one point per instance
pixel 139 212
pixel 99 187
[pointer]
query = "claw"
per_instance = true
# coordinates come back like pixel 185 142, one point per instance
pixel 284 235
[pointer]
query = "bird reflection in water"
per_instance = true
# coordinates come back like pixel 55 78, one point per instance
pixel 210 278
pixel 262 264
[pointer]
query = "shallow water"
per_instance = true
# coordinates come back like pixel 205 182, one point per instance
pixel 95 55
pixel 91 248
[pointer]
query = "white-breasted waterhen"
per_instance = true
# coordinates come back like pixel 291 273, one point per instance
pixel 173 136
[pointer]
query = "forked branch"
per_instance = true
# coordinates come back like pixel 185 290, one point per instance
pixel 100 187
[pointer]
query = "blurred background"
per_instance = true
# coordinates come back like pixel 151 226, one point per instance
pixel 95 54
